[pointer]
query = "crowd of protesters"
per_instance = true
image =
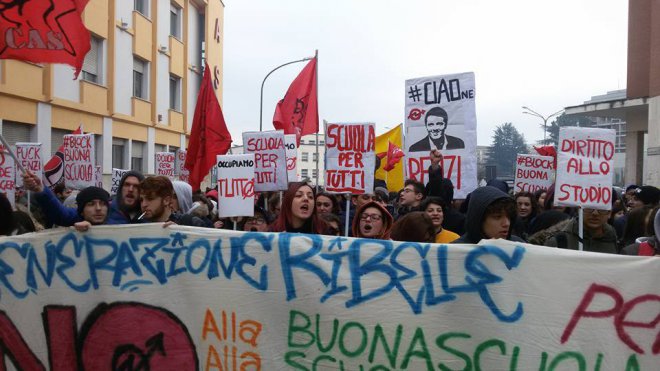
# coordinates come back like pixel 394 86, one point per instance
pixel 417 213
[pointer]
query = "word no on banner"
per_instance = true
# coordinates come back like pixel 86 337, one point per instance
pixel 270 170
pixel 584 167
pixel 350 159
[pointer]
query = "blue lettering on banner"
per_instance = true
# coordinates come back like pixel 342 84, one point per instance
pixel 361 270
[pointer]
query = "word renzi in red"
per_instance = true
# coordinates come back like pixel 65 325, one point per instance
pixel 266 157
pixel 451 168
pixel 30 157
pixel 352 142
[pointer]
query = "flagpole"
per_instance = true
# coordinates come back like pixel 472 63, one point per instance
pixel 261 103
pixel 316 55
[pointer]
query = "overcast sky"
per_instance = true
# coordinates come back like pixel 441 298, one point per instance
pixel 543 54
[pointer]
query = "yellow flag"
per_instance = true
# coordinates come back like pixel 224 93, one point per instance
pixel 389 148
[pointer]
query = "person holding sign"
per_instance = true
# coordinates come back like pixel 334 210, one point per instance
pixel 298 214
pixel 598 235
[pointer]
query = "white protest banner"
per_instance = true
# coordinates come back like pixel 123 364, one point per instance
pixel 116 178
pixel 291 157
pixel 79 160
pixel 165 164
pixel 584 167
pixel 235 185
pixel 29 155
pixel 350 160
pixel 7 175
pixel 98 177
pixel 180 162
pixel 440 114
pixel 183 298
pixel 270 172
pixel 533 172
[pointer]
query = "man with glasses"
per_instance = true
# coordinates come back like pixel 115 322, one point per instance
pixel 257 223
pixel 598 235
pixel 411 197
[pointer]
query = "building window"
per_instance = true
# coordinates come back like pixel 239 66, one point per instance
pixel 314 156
pixel 92 66
pixel 137 155
pixel 175 93
pixel 304 173
pixel 15 132
pixel 305 157
pixel 321 141
pixel 118 153
pixel 140 74
pixel 141 6
pixel 314 173
pixel 175 21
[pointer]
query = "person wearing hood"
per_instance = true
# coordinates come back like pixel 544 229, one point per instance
pixel 182 197
pixel 490 215
pixel 372 220
pixel 125 207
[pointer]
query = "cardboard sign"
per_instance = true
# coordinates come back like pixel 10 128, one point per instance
pixel 235 185
pixel 117 174
pixel 270 172
pixel 533 172
pixel 584 167
pixel 98 177
pixel 291 157
pixel 180 170
pixel 165 164
pixel 182 298
pixel 29 155
pixel 440 114
pixel 7 175
pixel 350 160
pixel 79 160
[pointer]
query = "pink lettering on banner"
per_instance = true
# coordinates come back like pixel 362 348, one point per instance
pixel 451 168
pixel 350 149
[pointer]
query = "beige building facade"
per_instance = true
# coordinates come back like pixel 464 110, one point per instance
pixel 138 87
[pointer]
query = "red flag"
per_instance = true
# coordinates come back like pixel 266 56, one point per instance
pixel 298 112
pixel 44 32
pixel 54 168
pixel 547 151
pixel 209 136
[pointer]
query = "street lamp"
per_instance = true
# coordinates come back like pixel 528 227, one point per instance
pixel 545 119
pixel 261 103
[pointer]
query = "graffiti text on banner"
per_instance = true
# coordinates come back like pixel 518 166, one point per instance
pixel 104 300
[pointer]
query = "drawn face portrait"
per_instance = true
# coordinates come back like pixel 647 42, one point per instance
pixel 436 126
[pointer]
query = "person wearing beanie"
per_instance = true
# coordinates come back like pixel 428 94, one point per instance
pixel 645 196
pixel 93 204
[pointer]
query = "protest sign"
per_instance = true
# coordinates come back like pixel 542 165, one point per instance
pixel 180 162
pixel 235 185
pixel 533 172
pixel 584 167
pixel 116 178
pixel 350 161
pixel 7 175
pixel 79 160
pixel 98 177
pixel 440 114
pixel 270 171
pixel 291 157
pixel 183 298
pixel 165 164
pixel 29 155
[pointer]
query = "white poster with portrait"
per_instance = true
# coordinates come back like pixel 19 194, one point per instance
pixel 270 172
pixel 235 185
pixel 440 114
pixel 291 157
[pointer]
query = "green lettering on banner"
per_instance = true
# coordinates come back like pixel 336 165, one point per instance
pixel 440 342
pixel 390 353
pixel 423 353
pixel 333 338
pixel 485 345
pixel 293 328
pixel 582 363
pixel 632 364
pixel 342 342
pixel 289 359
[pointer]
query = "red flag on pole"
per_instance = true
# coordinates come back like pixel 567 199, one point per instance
pixel 298 112
pixel 54 168
pixel 209 136
pixel 44 32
